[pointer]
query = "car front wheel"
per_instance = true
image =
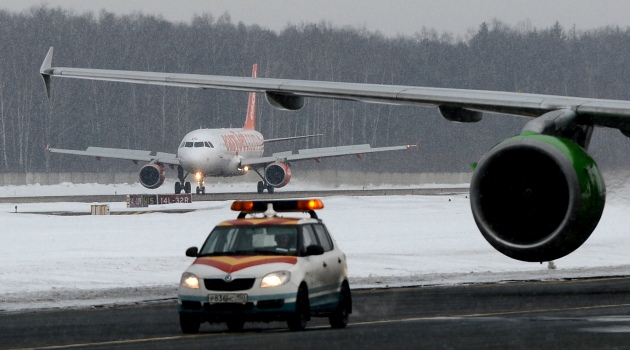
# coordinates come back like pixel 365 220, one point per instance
pixel 297 321
pixel 339 318
pixel 190 324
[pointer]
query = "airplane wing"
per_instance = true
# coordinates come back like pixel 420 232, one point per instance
pixel 535 197
pixel 319 153
pixel 118 153
pixel 454 104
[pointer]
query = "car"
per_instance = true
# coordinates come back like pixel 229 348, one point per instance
pixel 264 267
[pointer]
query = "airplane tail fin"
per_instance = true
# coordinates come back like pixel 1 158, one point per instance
pixel 250 123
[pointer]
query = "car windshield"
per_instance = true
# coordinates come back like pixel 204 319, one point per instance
pixel 251 240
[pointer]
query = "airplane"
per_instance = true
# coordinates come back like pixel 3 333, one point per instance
pixel 535 197
pixel 224 153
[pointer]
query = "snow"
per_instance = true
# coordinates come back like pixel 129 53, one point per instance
pixel 52 261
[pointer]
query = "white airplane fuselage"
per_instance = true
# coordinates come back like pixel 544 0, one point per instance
pixel 217 152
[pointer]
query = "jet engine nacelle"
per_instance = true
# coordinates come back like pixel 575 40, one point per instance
pixel 278 174
pixel 537 197
pixel 288 102
pixel 152 175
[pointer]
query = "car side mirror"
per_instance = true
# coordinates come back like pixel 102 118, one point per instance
pixel 192 252
pixel 314 249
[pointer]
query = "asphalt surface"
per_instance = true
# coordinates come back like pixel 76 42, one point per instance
pixel 578 314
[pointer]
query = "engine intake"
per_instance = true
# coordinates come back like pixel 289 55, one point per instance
pixel 152 175
pixel 278 174
pixel 537 197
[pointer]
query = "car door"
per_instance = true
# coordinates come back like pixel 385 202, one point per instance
pixel 333 265
pixel 315 271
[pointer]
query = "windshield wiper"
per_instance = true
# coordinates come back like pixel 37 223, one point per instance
pixel 204 255
pixel 273 252
pixel 219 254
pixel 248 252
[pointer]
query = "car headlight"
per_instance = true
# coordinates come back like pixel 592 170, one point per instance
pixel 189 280
pixel 275 279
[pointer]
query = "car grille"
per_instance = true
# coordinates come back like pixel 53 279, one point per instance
pixel 228 307
pixel 191 305
pixel 234 285
pixel 270 304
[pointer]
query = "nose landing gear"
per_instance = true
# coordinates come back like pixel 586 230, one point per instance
pixel 201 188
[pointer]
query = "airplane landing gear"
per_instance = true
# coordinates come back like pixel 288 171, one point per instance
pixel 262 186
pixel 179 186
pixel 201 188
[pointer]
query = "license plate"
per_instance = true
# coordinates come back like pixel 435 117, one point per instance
pixel 237 298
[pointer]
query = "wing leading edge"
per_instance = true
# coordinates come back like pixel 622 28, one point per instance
pixel 454 104
pixel 119 153
pixel 319 153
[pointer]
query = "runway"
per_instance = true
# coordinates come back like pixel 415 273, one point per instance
pixel 245 195
pixel 577 314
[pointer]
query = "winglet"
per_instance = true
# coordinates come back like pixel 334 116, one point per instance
pixel 46 70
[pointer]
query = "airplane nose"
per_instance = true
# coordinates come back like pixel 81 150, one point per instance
pixel 198 159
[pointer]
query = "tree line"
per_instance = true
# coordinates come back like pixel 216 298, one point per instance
pixel 81 113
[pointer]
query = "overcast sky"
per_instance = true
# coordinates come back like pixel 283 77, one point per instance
pixel 389 17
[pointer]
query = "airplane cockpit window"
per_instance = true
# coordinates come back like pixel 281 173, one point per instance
pixel 199 144
pixel 208 144
pixel 189 144
pixel 182 144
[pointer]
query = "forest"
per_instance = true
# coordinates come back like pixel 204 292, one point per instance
pixel 81 113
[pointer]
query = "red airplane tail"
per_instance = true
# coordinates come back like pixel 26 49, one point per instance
pixel 250 123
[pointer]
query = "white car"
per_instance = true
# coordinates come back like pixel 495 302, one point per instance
pixel 266 268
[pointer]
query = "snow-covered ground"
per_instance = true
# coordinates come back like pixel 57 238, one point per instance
pixel 52 261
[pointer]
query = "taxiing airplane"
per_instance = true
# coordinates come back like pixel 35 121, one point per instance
pixel 223 153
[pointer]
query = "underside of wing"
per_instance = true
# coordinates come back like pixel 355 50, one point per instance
pixel 119 153
pixel 460 105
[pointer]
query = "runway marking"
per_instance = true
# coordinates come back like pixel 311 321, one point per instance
pixel 496 284
pixel 490 314
pixel 118 342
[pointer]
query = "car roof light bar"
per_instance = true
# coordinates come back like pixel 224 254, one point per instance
pixel 279 206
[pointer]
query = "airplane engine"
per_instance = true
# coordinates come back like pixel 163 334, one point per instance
pixel 278 174
pixel 537 197
pixel 152 175
pixel 287 102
